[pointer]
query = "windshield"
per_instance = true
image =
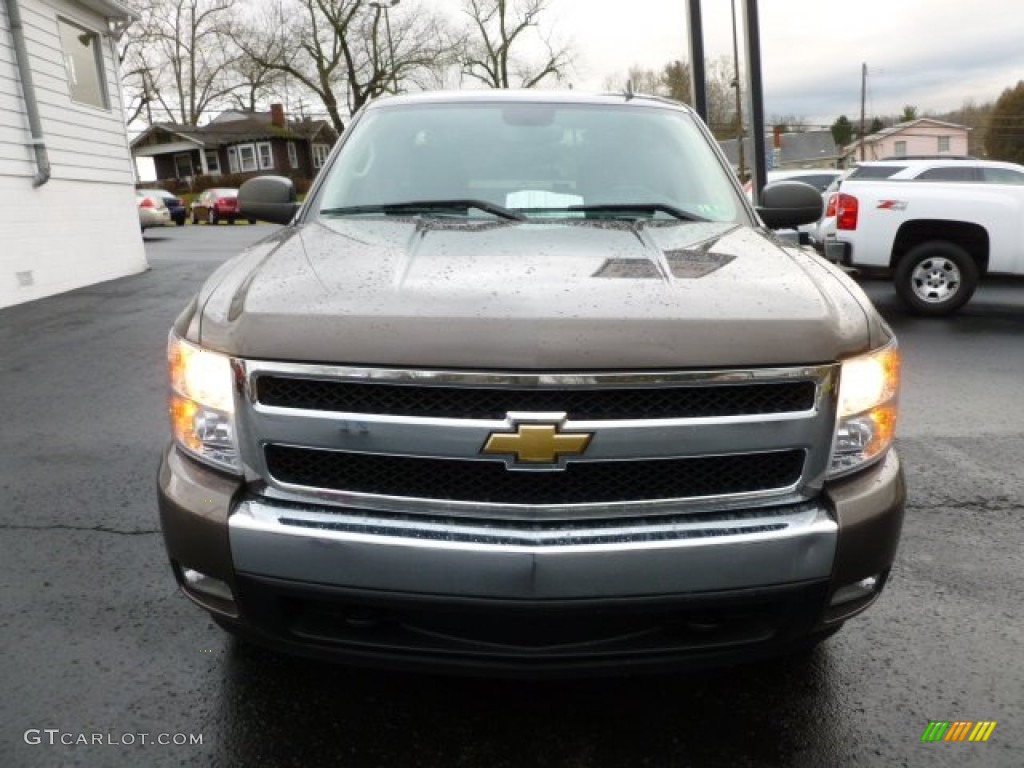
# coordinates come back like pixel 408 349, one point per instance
pixel 529 161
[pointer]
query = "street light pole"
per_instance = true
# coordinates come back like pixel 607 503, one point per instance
pixel 739 97
pixel 385 6
pixel 698 74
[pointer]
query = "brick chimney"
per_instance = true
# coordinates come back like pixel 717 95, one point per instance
pixel 277 116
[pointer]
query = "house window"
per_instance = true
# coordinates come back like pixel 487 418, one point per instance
pixel 232 160
pixel 266 154
pixel 900 149
pixel 83 63
pixel 943 143
pixel 293 155
pixel 320 152
pixel 247 158
pixel 183 165
pixel 213 162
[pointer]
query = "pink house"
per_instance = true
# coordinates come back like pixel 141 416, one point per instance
pixel 923 136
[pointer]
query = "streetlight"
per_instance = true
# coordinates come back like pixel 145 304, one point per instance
pixel 739 97
pixel 384 6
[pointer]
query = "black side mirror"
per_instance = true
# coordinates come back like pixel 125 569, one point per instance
pixel 789 204
pixel 268 198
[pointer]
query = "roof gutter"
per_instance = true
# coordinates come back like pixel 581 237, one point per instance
pixel 28 90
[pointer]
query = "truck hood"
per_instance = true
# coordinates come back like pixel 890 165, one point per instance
pixel 436 293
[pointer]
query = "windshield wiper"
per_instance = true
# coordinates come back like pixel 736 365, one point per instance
pixel 671 210
pixel 428 206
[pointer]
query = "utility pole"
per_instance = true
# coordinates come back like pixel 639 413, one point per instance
pixel 739 96
pixel 863 98
pixel 386 5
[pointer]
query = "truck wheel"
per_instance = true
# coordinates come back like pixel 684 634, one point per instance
pixel 936 278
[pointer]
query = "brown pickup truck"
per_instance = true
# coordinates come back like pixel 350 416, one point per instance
pixel 527 385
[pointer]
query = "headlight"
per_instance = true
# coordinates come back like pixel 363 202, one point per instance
pixel 866 424
pixel 201 404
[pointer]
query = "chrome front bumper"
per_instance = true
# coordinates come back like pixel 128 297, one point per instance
pixel 459 558
pixel 397 590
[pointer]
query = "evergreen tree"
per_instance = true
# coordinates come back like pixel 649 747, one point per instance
pixel 842 131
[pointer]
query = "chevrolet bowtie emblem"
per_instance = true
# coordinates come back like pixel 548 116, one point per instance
pixel 537 443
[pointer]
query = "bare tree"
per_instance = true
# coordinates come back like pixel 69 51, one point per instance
pixel 976 117
pixel 177 58
pixel 675 78
pixel 499 29
pixel 722 117
pixel 338 49
pixel 136 77
pixel 909 113
pixel 671 81
pixel 256 82
pixel 789 123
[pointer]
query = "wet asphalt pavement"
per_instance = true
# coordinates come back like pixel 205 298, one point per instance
pixel 97 643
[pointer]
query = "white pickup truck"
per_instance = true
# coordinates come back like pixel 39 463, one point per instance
pixel 939 225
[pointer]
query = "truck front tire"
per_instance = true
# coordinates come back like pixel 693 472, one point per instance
pixel 936 278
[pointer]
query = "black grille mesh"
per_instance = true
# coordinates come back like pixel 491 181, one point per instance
pixel 490 482
pixel 580 404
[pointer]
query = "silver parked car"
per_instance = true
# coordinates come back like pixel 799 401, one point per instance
pixel 153 211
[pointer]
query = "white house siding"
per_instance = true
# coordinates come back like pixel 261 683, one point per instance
pixel 82 226
pixel 15 159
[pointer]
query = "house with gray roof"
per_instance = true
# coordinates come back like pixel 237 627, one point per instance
pixel 805 149
pixel 237 143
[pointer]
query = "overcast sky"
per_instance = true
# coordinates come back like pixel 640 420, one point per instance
pixel 933 54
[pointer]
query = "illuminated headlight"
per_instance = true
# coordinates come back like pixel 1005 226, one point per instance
pixel 868 393
pixel 201 404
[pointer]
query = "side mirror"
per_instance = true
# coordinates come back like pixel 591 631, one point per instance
pixel 268 198
pixel 789 204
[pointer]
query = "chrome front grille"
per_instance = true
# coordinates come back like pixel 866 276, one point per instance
pixel 619 403
pixel 411 441
pixel 489 482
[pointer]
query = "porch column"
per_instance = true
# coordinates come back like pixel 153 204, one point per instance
pixel 202 161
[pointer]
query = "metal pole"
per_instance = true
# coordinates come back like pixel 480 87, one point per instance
pixel 698 77
pixel 756 97
pixel 384 6
pixel 863 98
pixel 391 50
pixel 739 95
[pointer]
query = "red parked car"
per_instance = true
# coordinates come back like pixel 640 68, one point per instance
pixel 215 206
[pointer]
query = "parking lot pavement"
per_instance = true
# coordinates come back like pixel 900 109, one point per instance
pixel 97 639
pixel 200 242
